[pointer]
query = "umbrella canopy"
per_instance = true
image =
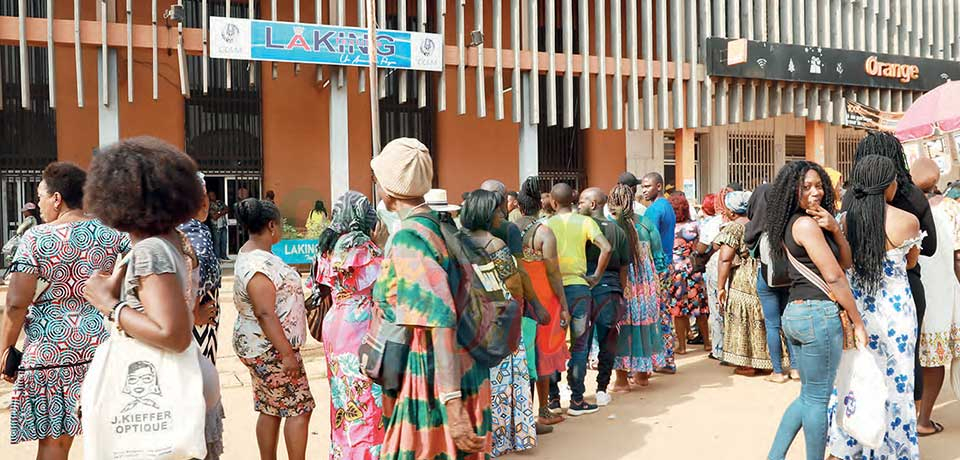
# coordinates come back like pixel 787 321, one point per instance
pixel 935 110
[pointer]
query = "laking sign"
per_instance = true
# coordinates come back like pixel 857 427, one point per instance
pixel 251 39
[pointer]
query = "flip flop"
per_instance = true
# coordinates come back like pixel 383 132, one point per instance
pixel 937 428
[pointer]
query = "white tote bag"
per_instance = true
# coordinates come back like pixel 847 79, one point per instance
pixel 139 402
pixel 861 397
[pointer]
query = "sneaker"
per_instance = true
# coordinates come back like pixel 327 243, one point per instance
pixel 581 408
pixel 554 406
pixel 603 398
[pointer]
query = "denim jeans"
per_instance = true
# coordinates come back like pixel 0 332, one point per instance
pixel 581 334
pixel 774 300
pixel 608 312
pixel 813 326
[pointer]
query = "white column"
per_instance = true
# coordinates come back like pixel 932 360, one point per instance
pixel 109 115
pixel 528 149
pixel 339 147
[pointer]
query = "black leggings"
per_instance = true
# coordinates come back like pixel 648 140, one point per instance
pixel 920 299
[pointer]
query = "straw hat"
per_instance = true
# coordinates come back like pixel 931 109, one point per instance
pixel 404 168
pixel 437 200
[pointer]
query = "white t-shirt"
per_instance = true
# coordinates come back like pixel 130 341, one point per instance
pixel 710 229
pixel 249 341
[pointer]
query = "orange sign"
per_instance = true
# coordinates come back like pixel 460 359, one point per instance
pixel 737 51
pixel 902 72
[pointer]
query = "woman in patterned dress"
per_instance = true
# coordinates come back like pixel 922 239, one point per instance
pixel 882 292
pixel 444 414
pixel 271 327
pixel 514 425
pixel 62 329
pixel 206 317
pixel 640 338
pixel 540 262
pixel 688 296
pixel 348 261
pixel 744 331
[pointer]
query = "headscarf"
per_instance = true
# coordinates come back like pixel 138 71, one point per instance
pixel 708 205
pixel 737 202
pixel 354 219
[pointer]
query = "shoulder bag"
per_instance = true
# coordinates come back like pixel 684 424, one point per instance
pixel 849 341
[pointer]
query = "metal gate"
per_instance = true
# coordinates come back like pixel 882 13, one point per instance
pixel 846 151
pixel 750 158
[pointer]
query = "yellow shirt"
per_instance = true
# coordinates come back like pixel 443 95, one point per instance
pixel 573 231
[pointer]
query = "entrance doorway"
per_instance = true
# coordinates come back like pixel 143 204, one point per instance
pixel 17 189
pixel 228 189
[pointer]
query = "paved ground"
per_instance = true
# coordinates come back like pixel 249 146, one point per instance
pixel 703 411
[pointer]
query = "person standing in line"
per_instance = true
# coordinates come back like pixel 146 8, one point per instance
pixel 939 339
pixel 688 296
pixel 206 316
pixel 31 218
pixel 62 329
pixel 443 414
pixel 885 243
pixel 547 210
pixel 628 179
pixel 800 220
pixel 540 262
pixel 511 407
pixel 910 199
pixel 573 231
pixel 513 208
pixel 348 262
pixel 710 227
pixel 608 307
pixel 218 224
pixel 639 339
pixel 744 332
pixel 270 329
pixel 660 212
pixel 773 299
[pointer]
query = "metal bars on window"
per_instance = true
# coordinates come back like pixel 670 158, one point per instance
pixel 750 158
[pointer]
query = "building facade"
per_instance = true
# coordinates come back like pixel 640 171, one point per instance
pixel 569 90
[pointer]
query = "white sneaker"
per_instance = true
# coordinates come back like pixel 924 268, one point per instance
pixel 603 398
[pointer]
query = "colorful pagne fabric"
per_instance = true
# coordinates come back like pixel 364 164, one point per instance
pixel 414 290
pixel 640 337
pixel 667 359
pixel 356 404
pixel 688 297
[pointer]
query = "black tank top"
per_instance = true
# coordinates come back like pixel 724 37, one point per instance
pixel 800 288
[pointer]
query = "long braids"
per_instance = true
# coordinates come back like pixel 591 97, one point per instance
pixel 783 200
pixel 621 201
pixel 866 212
pixel 529 196
pixel 887 145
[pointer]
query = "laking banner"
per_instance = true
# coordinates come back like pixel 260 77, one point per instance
pixel 251 39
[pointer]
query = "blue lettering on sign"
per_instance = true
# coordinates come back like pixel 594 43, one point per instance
pixel 296 252
pixel 322 44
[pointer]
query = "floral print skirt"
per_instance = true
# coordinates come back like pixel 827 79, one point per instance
pixel 274 393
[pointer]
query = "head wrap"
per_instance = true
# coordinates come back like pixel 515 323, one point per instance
pixel 708 204
pixel 404 168
pixel 354 219
pixel 737 202
pixel 835 176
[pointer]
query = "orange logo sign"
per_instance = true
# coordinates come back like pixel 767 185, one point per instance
pixel 903 72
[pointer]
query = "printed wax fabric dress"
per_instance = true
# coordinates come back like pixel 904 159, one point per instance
pixel 640 337
pixel 940 331
pixel 414 290
pixel 356 404
pixel 688 297
pixel 62 329
pixel 890 318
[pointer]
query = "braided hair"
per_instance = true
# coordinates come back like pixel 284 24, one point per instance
pixel 866 212
pixel 529 197
pixel 621 202
pixel 783 200
pixel 887 145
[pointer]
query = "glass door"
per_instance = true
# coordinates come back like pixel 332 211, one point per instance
pixel 16 189
pixel 235 190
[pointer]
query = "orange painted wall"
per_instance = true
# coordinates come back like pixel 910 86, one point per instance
pixel 77 128
pixel 605 156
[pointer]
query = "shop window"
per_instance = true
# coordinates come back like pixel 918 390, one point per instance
pixel 846 150
pixel 795 148
pixel 28 136
pixel 670 164
pixel 750 158
pixel 223 128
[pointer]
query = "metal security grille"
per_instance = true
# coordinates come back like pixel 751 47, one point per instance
pixel 560 147
pixel 223 128
pixel 750 158
pixel 28 137
pixel 846 150
pixel 795 148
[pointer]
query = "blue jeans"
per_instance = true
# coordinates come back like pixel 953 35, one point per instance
pixel 581 334
pixel 609 311
pixel 774 300
pixel 814 328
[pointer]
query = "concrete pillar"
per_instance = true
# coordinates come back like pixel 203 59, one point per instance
pixel 816 141
pixel 686 157
pixel 339 142
pixel 109 114
pixel 529 148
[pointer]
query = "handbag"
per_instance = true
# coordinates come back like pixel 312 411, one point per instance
pixel 384 351
pixel 774 272
pixel 849 339
pixel 317 304
pixel 698 261
pixel 861 403
pixel 11 361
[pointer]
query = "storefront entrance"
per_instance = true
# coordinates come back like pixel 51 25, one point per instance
pixel 231 189
pixel 17 188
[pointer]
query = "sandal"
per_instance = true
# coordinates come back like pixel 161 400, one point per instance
pixel 777 378
pixel 937 428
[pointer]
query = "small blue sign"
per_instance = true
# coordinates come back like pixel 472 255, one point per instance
pixel 296 252
pixel 251 39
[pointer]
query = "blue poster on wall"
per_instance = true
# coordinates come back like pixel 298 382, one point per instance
pixel 252 39
pixel 295 252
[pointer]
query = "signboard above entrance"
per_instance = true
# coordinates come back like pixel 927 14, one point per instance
pixel 829 66
pixel 251 39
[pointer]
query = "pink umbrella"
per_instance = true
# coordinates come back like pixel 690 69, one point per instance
pixel 936 110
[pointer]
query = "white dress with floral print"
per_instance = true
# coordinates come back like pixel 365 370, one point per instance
pixel 249 341
pixel 890 319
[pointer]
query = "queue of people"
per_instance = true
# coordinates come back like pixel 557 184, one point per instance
pixel 770 283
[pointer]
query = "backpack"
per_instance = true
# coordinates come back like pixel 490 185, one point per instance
pixel 489 319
